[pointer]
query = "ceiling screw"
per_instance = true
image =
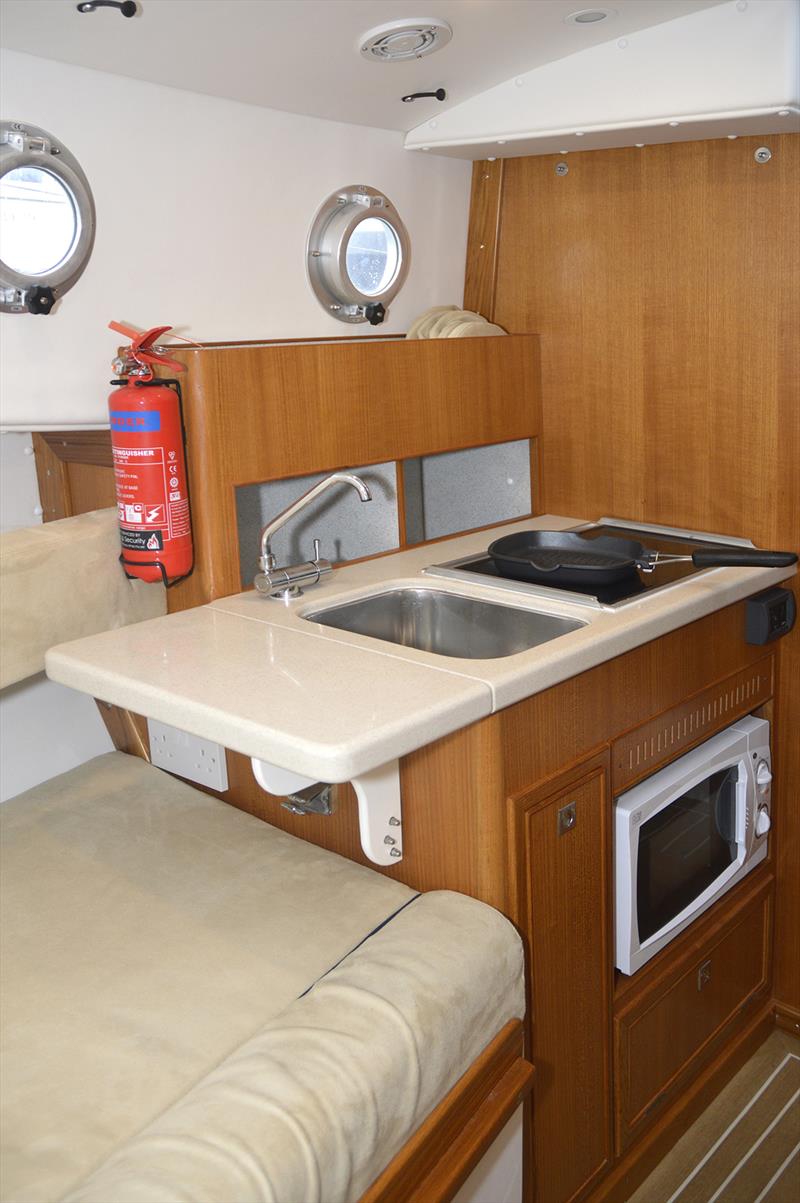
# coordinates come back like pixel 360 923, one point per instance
pixel 763 154
pixel 561 168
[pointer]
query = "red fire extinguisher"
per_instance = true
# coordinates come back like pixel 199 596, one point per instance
pixel 148 446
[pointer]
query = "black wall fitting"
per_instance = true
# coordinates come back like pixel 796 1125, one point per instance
pixel 439 94
pixel 128 8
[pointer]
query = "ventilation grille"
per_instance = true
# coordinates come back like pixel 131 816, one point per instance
pixel 644 750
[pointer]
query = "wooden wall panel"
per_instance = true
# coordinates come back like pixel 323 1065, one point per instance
pixel 664 283
pixel 275 411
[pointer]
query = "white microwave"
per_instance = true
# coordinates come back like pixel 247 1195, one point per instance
pixel 686 835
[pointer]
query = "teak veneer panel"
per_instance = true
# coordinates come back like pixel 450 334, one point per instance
pixel 646 749
pixel 662 1035
pixel 550 729
pixel 74 471
pixel 663 282
pixel 258 413
pixel 564 901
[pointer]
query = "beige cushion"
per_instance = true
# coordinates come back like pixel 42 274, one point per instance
pixel 63 580
pixel 148 930
pixel 316 1104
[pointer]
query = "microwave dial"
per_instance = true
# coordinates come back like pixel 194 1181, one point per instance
pixel 763 780
pixel 762 821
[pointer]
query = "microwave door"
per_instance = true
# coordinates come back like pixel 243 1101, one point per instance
pixel 685 852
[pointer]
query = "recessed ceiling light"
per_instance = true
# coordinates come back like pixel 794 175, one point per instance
pixel 590 16
pixel 400 41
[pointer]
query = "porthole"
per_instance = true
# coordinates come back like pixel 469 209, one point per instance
pixel 47 219
pixel 358 254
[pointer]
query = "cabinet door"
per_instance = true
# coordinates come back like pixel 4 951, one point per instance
pixel 667 1033
pixel 562 865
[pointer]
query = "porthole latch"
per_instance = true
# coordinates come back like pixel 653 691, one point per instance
pixel 374 314
pixel 39 300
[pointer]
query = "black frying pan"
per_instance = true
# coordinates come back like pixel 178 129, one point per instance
pixel 564 558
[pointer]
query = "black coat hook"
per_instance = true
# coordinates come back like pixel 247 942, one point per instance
pixel 126 7
pixel 439 94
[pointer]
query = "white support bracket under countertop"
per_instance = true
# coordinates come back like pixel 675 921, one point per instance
pixel 379 808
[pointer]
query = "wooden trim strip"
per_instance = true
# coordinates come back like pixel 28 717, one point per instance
pixel 483 239
pixel 51 474
pixel 443 1152
pixel 81 446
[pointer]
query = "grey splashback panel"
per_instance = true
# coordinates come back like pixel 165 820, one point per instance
pixel 460 490
pixel 346 527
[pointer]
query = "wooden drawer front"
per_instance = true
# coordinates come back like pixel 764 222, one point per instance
pixel 645 749
pixel 663 1038
pixel 564 914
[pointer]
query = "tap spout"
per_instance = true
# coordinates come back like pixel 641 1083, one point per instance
pixel 266 561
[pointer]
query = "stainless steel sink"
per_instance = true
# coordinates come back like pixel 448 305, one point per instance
pixel 448 624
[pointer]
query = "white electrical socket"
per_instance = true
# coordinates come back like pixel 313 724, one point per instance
pixel 187 756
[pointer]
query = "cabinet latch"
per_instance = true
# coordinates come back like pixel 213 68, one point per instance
pixel 703 975
pixel 567 817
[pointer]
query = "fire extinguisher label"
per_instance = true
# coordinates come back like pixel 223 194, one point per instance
pixel 141 540
pixel 151 491
pixel 131 419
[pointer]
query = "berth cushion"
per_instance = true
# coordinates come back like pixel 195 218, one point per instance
pixel 163 1035
pixel 61 581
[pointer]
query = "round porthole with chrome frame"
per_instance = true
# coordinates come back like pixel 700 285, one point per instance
pixel 358 254
pixel 47 219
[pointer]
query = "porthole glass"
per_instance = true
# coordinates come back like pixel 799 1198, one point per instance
pixel 373 256
pixel 358 254
pixel 46 219
pixel 38 220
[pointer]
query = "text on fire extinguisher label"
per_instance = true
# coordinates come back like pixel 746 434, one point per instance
pixel 127 419
pixel 141 540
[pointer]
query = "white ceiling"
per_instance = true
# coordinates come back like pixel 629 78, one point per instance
pixel 301 56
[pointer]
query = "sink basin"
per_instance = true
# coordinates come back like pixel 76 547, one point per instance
pixel 448 624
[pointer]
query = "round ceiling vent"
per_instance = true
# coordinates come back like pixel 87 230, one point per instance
pixel 590 16
pixel 399 41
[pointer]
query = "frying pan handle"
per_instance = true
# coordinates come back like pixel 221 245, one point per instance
pixel 743 557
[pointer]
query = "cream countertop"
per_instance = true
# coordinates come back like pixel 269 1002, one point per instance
pixel 253 675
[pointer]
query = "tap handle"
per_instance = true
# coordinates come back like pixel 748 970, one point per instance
pixel 316 551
